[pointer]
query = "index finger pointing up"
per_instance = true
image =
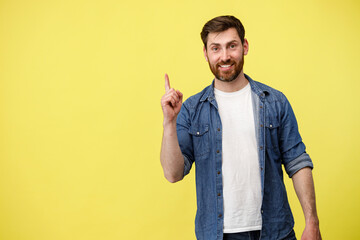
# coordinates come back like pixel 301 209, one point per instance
pixel 167 82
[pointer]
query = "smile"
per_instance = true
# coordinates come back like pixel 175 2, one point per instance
pixel 226 67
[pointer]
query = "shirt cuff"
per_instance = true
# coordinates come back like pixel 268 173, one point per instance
pixel 298 163
pixel 187 165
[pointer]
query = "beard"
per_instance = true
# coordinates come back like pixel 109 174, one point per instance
pixel 227 76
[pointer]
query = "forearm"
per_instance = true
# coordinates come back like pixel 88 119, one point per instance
pixel 171 158
pixel 304 188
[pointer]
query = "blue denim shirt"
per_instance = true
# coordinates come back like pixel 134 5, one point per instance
pixel 199 132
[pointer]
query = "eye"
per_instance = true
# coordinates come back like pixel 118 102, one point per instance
pixel 215 49
pixel 232 46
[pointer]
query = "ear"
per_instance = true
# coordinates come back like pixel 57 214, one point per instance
pixel 246 46
pixel 205 54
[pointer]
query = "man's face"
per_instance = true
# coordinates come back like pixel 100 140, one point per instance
pixel 225 54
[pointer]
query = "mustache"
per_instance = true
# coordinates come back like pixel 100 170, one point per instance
pixel 228 62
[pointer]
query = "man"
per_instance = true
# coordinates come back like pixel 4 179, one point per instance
pixel 239 133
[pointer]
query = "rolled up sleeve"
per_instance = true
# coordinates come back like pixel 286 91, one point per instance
pixel 298 163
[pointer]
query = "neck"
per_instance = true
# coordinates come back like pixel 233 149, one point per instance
pixel 233 86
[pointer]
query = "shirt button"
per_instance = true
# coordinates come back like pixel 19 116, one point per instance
pixel 270 125
pixel 197 133
pixel 260 106
pixel 261 125
pixel 218 172
pixel 219 194
pixel 218 129
pixel 220 215
pixel 261 169
pixel 262 211
pixel 261 147
pixel 217 151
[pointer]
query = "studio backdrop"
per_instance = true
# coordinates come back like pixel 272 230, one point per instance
pixel 81 121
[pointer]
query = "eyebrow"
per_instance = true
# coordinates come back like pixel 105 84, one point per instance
pixel 228 43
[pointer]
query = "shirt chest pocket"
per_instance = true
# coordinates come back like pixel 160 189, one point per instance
pixel 200 138
pixel 272 133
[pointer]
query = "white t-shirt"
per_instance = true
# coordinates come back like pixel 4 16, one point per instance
pixel 240 162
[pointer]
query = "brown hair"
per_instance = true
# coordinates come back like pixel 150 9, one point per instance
pixel 220 24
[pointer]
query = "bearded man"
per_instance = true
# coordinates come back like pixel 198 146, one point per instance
pixel 239 133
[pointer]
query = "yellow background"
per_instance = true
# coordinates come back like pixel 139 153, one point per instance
pixel 81 122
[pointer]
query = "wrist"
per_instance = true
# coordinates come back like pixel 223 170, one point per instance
pixel 312 221
pixel 169 124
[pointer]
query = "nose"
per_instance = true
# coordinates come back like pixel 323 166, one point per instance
pixel 225 56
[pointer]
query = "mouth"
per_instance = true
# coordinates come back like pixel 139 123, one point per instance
pixel 225 67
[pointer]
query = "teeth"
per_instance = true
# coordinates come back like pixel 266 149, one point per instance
pixel 225 66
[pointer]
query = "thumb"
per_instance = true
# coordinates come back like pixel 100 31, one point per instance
pixel 180 95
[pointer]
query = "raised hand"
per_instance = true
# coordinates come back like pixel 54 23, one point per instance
pixel 171 102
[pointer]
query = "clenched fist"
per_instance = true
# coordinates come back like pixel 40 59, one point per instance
pixel 171 102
